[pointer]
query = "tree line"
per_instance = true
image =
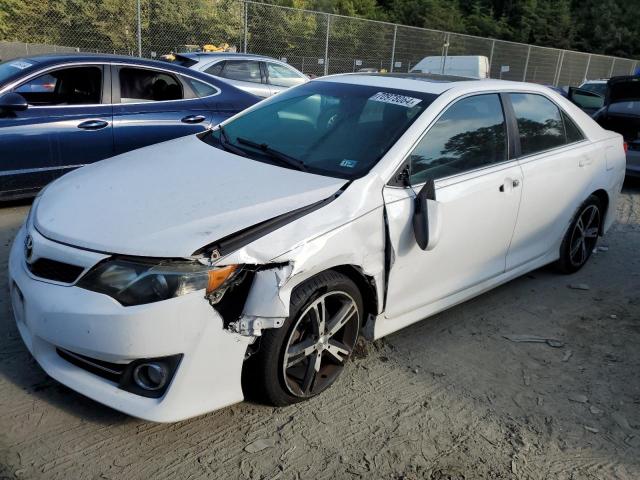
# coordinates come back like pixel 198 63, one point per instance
pixel 597 26
pixel 608 27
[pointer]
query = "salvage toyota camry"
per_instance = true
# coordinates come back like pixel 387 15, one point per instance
pixel 176 279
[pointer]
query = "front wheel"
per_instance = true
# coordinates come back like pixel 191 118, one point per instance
pixel 307 354
pixel 582 236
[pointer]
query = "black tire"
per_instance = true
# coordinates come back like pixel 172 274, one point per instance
pixel 576 251
pixel 265 375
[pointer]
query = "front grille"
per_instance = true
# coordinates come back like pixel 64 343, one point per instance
pixel 108 370
pixel 54 270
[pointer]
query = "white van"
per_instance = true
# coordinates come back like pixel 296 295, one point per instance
pixel 474 66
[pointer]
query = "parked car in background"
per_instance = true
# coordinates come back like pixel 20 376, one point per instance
pixel 173 280
pixel 621 113
pixel 595 86
pixel 256 74
pixel 59 112
pixel 470 66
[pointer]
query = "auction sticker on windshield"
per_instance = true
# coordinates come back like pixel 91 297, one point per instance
pixel 395 99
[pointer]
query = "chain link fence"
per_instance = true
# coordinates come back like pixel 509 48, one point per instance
pixel 315 43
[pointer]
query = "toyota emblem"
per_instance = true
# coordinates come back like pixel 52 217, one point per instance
pixel 28 247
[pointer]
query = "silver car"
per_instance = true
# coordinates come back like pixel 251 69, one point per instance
pixel 262 76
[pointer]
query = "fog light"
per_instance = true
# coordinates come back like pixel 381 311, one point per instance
pixel 151 376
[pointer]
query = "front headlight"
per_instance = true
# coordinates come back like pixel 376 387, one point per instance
pixel 138 282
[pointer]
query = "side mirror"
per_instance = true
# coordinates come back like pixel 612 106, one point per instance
pixel 13 102
pixel 427 220
pixel 585 99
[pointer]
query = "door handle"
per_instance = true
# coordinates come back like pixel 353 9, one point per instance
pixel 93 124
pixel 514 183
pixel 585 161
pixel 193 119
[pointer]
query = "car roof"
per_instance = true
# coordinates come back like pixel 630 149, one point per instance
pixel 210 55
pixel 425 82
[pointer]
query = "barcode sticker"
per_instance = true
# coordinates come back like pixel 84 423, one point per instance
pixel 395 99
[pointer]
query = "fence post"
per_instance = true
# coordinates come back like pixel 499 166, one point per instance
pixel 493 45
pixel 586 71
pixel 526 65
pixel 246 28
pixel 326 46
pixel 556 79
pixel 393 48
pixel 613 64
pixel 139 28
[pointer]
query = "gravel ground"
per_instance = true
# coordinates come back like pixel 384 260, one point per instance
pixel 450 398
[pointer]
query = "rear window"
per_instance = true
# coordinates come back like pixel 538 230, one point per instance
pixel 180 60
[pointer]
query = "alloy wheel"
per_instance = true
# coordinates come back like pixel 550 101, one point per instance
pixel 584 235
pixel 320 343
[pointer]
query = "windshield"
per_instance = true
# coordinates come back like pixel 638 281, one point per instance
pixel 11 67
pixel 599 88
pixel 329 128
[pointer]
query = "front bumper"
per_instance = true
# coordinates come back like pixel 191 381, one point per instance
pixel 51 316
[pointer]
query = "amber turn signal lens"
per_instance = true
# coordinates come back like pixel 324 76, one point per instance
pixel 218 276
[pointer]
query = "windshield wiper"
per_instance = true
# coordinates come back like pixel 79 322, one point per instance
pixel 275 154
pixel 227 145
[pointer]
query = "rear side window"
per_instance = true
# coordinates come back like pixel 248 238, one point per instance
pixel 539 123
pixel 200 88
pixel 243 70
pixel 571 130
pixel 469 135
pixel 67 86
pixel 141 85
pixel 215 69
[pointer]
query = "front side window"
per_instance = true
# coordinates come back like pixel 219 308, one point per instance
pixel 243 70
pixel 141 85
pixel 334 129
pixel 282 76
pixel 67 86
pixel 539 123
pixel 470 134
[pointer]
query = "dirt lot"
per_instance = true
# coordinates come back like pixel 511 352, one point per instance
pixel 450 398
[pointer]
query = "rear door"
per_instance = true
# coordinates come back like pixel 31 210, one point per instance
pixel 153 105
pixel 557 164
pixel 67 124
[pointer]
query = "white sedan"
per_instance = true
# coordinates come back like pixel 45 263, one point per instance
pixel 179 278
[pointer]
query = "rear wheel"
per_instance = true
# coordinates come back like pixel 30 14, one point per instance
pixel 307 354
pixel 582 236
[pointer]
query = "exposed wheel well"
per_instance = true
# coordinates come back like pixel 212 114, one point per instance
pixel 604 199
pixel 365 284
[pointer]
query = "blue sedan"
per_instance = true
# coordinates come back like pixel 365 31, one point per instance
pixel 59 112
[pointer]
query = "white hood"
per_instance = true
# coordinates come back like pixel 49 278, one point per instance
pixel 170 199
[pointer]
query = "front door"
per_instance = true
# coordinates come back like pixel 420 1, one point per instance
pixel 67 124
pixel 478 189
